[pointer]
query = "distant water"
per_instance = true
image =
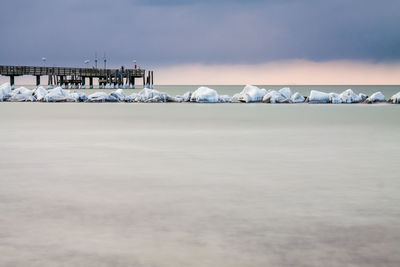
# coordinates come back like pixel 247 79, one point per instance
pixel 173 90
pixel 171 185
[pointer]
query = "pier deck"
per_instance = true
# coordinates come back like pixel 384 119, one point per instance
pixel 77 76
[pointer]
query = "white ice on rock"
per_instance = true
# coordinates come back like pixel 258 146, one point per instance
pixel 335 98
pixel 204 95
pixel 273 96
pixel 395 99
pixel 22 94
pixel 318 97
pixel 5 91
pixel 286 92
pixel 40 93
pixel 348 96
pixel 224 99
pixel 150 96
pixel 297 98
pixel 98 97
pixel 119 95
pixel 250 94
pixel 376 97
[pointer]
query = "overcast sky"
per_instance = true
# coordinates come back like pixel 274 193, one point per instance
pixel 167 33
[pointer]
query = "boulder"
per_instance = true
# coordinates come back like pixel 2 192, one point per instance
pixel 318 97
pixel 40 93
pixel 297 98
pixel 251 93
pixel 348 96
pixel 274 97
pixel 22 94
pixel 119 95
pixel 375 97
pixel 335 98
pixel 186 96
pixel 286 92
pixel 362 97
pixel 98 97
pixel 5 91
pixel 224 99
pixel 395 99
pixel 204 95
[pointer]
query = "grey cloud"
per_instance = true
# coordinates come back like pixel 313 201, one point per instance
pixel 161 32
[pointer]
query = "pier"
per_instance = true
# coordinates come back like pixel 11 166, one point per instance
pixel 77 77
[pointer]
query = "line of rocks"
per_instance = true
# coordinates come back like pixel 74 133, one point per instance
pixel 249 94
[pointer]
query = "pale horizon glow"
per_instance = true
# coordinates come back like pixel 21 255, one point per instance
pixel 290 72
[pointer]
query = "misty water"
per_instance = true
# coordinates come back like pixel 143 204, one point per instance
pixel 124 184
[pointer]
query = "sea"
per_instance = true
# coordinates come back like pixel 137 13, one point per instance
pixel 184 184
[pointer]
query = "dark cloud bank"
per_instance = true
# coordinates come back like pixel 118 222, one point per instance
pixel 160 32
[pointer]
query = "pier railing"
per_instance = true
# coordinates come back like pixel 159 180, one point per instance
pixel 62 71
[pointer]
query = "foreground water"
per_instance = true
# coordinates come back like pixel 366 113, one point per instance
pixel 199 185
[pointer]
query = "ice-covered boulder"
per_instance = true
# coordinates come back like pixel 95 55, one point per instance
pixel 77 96
pixel 318 97
pixel 348 96
pixel 98 97
pixel 395 99
pixel 22 94
pixel 251 93
pixel 274 97
pixel 204 95
pixel 362 97
pixel 224 99
pixel 186 96
pixel 235 98
pixel 335 98
pixel 286 92
pixel 57 95
pixel 5 91
pixel 178 98
pixel 152 96
pixel 376 97
pixel 119 95
pixel 297 98
pixel 40 93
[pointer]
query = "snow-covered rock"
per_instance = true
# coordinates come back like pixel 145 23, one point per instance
pixel 362 97
pixel 224 99
pixel 5 91
pixel 318 97
pixel 76 97
pixel 376 97
pixel 395 99
pixel 286 92
pixel 348 96
pixel 98 97
pixel 335 98
pixel 57 95
pixel 297 98
pixel 250 93
pixel 186 96
pixel 119 95
pixel 204 95
pixel 22 94
pixel 40 93
pixel 274 97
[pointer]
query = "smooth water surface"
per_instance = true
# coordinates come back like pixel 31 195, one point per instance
pixel 199 185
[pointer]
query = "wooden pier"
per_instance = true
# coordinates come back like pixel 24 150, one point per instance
pixel 76 77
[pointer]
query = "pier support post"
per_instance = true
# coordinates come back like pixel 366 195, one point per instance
pixel 12 83
pixel 62 82
pixel 133 82
pixel 91 82
pixel 83 82
pixel 152 79
pixel 50 82
pixel 37 80
pixel 144 79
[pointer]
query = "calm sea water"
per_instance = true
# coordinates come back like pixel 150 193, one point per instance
pixel 119 184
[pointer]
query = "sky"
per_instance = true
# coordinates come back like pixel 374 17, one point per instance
pixel 211 41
